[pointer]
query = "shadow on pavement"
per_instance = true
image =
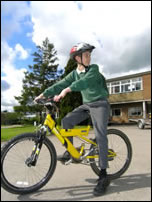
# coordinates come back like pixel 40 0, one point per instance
pixel 78 193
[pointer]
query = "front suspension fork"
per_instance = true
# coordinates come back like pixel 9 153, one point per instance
pixel 32 160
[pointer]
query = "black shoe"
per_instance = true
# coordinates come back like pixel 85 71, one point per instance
pixel 65 157
pixel 101 187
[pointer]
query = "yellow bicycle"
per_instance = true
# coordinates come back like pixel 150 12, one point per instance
pixel 29 160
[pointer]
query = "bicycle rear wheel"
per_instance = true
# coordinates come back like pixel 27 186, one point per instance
pixel 17 176
pixel 119 144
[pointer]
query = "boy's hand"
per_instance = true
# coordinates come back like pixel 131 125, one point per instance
pixel 56 98
pixel 41 96
pixel 62 94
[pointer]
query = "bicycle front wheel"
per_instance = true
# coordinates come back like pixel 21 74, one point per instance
pixel 17 176
pixel 119 154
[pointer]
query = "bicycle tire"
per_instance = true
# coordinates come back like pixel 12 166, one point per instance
pixel 120 172
pixel 6 149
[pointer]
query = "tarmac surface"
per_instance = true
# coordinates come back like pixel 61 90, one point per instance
pixel 76 182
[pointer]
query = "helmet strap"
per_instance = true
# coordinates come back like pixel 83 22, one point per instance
pixel 82 62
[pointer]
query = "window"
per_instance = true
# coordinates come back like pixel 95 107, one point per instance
pixel 125 86
pixel 116 112
pixel 136 84
pixel 135 111
pixel 115 87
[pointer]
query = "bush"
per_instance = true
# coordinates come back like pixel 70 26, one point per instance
pixel 28 121
pixel 9 118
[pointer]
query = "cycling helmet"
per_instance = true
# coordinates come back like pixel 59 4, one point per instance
pixel 79 49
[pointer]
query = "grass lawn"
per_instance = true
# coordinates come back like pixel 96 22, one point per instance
pixel 8 133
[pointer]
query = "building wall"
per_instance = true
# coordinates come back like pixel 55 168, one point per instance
pixel 147 86
pixel 124 118
pixel 144 94
pixel 126 97
pixel 132 99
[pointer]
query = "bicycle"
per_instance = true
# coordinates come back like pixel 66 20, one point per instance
pixel 29 160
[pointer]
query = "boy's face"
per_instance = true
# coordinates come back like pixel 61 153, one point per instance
pixel 86 58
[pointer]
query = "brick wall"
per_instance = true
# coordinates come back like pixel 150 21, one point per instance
pixel 147 86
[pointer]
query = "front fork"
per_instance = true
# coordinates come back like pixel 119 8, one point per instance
pixel 32 160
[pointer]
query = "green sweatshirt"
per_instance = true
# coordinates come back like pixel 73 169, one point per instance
pixel 91 84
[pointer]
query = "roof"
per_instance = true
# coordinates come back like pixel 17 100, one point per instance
pixel 128 76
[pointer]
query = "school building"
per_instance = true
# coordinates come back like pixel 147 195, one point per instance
pixel 130 97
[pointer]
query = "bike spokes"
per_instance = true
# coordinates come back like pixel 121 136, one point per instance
pixel 22 170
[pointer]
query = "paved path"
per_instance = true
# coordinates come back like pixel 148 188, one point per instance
pixel 12 126
pixel 76 182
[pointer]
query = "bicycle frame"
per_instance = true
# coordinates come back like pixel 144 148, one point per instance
pixel 62 135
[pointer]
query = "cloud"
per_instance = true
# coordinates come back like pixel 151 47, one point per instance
pixel 4 85
pixel 79 5
pixel 58 23
pixel 119 30
pixel 137 52
pixel 15 17
pixel 12 79
pixel 13 14
pixel 23 54
pixel 127 54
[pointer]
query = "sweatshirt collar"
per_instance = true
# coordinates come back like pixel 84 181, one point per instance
pixel 79 72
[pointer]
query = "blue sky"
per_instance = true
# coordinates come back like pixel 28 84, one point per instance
pixel 19 36
pixel 119 30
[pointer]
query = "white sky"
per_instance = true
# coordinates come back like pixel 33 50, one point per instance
pixel 120 30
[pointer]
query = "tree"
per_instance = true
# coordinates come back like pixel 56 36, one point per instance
pixel 8 118
pixel 42 74
pixel 71 100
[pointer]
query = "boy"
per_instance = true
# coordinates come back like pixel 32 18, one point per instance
pixel 90 82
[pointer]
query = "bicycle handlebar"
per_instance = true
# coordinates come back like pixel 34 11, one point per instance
pixel 47 102
pixel 42 101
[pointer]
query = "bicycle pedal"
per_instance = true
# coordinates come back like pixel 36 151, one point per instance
pixel 68 162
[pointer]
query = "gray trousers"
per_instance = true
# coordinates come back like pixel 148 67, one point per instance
pixel 99 111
